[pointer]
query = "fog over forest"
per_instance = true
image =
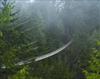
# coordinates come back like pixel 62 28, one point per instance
pixel 49 39
pixel 78 13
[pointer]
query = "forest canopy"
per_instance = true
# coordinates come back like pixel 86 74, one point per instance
pixel 31 29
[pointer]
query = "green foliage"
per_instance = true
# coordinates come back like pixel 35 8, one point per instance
pixel 22 74
pixel 6 14
pixel 93 70
pixel 18 45
pixel 11 41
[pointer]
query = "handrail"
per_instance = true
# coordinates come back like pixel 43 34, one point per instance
pixel 42 57
pixel 39 58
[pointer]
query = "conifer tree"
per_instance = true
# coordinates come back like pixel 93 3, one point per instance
pixel 93 69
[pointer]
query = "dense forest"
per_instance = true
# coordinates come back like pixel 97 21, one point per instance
pixel 49 39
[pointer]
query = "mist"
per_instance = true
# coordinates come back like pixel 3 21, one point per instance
pixel 49 39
